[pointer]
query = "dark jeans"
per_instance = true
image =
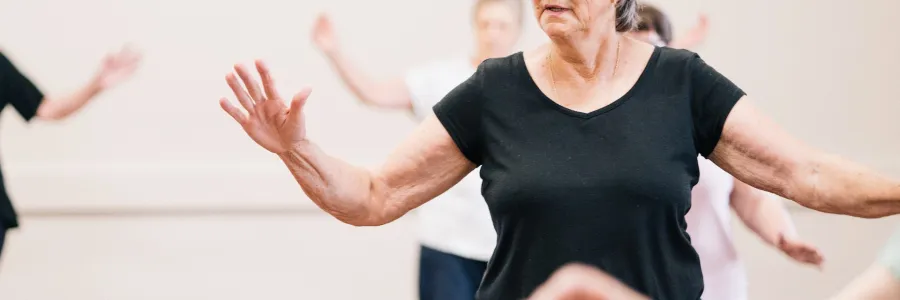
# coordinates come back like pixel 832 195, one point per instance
pixel 444 276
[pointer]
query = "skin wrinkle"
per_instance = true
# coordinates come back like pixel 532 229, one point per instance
pixel 784 166
pixel 305 171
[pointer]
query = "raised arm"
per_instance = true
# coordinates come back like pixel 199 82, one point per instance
pixel 29 101
pixel 425 165
pixel 385 93
pixel 757 151
pixel 693 37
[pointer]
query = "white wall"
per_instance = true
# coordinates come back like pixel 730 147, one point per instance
pixel 159 145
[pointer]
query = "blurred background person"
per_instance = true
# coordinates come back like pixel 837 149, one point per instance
pixel 30 102
pixel 456 233
pixel 655 28
pixel 717 193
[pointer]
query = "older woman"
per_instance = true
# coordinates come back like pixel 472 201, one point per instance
pixel 30 102
pixel 717 193
pixel 588 151
pixel 456 234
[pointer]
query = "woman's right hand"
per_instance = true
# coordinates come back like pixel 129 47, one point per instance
pixel 323 34
pixel 268 121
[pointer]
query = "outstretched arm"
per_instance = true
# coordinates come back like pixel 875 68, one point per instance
pixel 62 106
pixel 29 101
pixel 760 153
pixel 385 93
pixel 424 166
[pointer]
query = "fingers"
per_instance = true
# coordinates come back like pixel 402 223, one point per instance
pixel 240 92
pixel 233 111
pixel 801 252
pixel 267 80
pixel 297 105
pixel 812 255
pixel 322 22
pixel 250 83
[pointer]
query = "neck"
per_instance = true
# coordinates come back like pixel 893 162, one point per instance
pixel 585 58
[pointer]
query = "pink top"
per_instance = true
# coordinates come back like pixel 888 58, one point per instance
pixel 709 225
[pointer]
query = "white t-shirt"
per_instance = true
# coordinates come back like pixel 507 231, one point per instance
pixel 457 222
pixel 709 225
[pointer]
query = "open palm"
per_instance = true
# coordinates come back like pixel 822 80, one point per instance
pixel 323 34
pixel 800 251
pixel 118 67
pixel 266 118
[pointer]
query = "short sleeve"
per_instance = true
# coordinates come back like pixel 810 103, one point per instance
pixel 890 255
pixel 712 98
pixel 460 112
pixel 17 90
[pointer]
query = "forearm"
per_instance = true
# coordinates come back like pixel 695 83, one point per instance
pixel 364 87
pixel 348 193
pixel 831 184
pixel 875 283
pixel 767 218
pixel 56 108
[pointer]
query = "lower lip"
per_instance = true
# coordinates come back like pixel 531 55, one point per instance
pixel 555 12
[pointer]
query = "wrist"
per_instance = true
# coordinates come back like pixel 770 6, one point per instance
pixel 95 86
pixel 297 149
pixel 332 54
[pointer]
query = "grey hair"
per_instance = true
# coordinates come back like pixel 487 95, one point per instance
pixel 626 15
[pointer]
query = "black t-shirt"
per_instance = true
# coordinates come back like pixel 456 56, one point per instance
pixel 609 188
pixel 17 90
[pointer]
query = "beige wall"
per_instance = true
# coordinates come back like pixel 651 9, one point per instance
pixel 822 68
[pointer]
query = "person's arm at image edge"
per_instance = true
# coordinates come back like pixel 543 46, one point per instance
pixel 385 93
pixel 31 102
pixel 879 281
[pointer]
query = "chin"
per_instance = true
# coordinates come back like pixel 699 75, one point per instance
pixel 555 30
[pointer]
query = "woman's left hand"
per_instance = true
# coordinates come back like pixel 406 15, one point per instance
pixel 800 251
pixel 117 67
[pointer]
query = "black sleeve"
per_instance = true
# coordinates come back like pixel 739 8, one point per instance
pixel 460 112
pixel 712 98
pixel 17 90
